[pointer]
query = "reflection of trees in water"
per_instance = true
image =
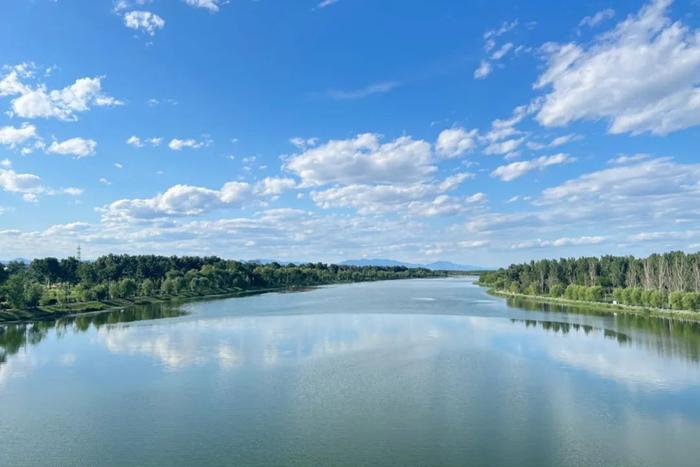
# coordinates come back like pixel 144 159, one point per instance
pixel 14 337
pixel 566 328
pixel 668 337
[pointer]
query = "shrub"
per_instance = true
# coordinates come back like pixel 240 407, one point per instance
pixel 557 290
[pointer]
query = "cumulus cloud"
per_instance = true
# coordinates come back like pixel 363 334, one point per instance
pixel 506 147
pixel 144 21
pixel 25 183
pixel 454 142
pixel 654 196
pixel 77 147
pixel 177 144
pixel 40 102
pixel 178 200
pixel 212 5
pixel 187 200
pixel 138 142
pixel 417 198
pixel 363 159
pixel 515 170
pixel 272 186
pixel 642 76
pixel 12 136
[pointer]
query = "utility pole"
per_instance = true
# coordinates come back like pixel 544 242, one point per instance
pixel 79 252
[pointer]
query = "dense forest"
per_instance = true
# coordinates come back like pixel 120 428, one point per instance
pixel 53 284
pixel 670 280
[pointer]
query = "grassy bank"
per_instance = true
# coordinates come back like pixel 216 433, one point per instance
pixel 602 307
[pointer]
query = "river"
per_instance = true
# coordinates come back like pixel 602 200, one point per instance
pixel 413 372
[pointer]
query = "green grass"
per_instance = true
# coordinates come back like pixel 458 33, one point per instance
pixel 609 308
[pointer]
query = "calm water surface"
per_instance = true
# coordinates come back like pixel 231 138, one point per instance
pixel 418 372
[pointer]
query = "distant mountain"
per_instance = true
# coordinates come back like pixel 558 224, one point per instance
pixel 450 266
pixel 437 265
pixel 377 262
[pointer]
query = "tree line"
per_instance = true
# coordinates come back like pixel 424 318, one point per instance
pixel 52 281
pixel 670 280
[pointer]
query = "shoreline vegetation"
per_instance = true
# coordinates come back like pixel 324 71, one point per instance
pixel 49 288
pixel 661 285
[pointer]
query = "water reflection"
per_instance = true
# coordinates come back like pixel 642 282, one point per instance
pixel 667 337
pixel 14 337
pixel 566 328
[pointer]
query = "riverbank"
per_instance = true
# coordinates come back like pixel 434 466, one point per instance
pixel 607 308
pixel 54 312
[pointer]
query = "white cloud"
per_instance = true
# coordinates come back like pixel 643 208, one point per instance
pixel 73 191
pixel 78 147
pixel 25 183
pixel 556 142
pixel 416 198
pixel 641 76
pixel 177 144
pixel 137 142
pixel 363 159
pixel 211 5
pixel 376 88
pixel 187 200
pixel 504 147
pixel 485 68
pixel 144 20
pixel 326 3
pixel 179 200
pixel 502 51
pixel 648 178
pixel 505 27
pixel 13 136
pixel 64 104
pixel 596 19
pixel 559 242
pixel 515 170
pixel 11 83
pixel 624 159
pixel 303 143
pixel 134 141
pixel 271 186
pixel 454 142
pixel 6 163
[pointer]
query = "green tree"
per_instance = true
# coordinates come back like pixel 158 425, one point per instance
pixel 32 295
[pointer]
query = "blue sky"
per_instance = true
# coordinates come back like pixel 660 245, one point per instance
pixel 478 132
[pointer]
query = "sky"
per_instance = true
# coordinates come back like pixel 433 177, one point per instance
pixel 482 132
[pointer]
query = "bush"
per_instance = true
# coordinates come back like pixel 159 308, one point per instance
pixel 618 295
pixel 675 300
pixel 690 301
pixel 557 290
pixel 594 294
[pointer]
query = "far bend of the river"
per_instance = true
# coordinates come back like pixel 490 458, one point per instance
pixel 400 373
